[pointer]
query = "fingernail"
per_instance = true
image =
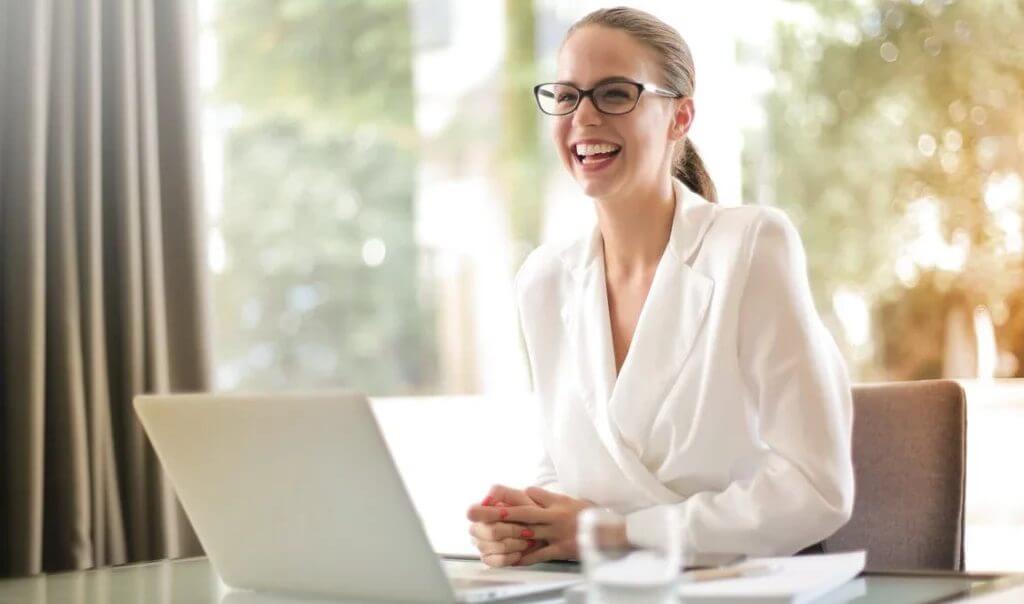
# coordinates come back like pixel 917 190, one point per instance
pixel 526 534
pixel 503 513
pixel 530 543
pixel 487 501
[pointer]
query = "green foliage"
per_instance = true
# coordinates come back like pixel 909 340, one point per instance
pixel 879 105
pixel 319 160
pixel 521 167
pixel 332 65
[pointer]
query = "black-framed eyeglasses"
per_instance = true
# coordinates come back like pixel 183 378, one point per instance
pixel 612 98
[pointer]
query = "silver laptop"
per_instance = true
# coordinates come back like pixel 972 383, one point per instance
pixel 298 493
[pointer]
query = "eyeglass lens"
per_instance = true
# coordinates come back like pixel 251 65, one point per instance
pixel 612 97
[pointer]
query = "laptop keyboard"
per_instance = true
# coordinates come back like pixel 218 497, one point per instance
pixel 462 583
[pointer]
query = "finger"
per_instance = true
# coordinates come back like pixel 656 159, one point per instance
pixel 505 546
pixel 529 514
pixel 537 532
pixel 533 545
pixel 502 559
pixel 487 548
pixel 481 546
pixel 549 552
pixel 494 512
pixel 542 497
pixel 480 513
pixel 499 530
pixel 507 495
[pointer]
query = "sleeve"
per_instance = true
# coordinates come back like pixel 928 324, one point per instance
pixel 546 477
pixel 802 490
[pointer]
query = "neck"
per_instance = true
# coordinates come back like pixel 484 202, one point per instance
pixel 636 229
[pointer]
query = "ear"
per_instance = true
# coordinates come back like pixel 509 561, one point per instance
pixel 682 119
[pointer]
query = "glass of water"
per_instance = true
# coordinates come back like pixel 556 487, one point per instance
pixel 619 573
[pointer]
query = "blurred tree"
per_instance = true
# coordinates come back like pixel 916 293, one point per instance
pixel 895 139
pixel 521 166
pixel 320 285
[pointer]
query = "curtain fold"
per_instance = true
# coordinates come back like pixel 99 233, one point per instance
pixel 102 287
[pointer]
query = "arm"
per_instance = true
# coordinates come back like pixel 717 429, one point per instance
pixel 546 477
pixel 500 539
pixel 803 491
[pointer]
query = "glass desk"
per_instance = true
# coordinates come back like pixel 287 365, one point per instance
pixel 193 581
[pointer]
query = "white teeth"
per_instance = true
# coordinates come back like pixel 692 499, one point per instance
pixel 592 149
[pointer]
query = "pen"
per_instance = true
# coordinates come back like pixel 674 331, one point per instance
pixel 728 572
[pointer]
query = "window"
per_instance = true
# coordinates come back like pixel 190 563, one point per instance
pixel 377 171
pixel 312 154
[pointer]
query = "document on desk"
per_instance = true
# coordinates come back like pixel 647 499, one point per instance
pixel 793 580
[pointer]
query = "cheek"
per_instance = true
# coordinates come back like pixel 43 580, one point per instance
pixel 559 137
pixel 647 138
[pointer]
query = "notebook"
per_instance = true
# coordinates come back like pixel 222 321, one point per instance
pixel 795 580
pixel 821 579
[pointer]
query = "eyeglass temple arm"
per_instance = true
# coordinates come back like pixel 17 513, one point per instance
pixel 661 91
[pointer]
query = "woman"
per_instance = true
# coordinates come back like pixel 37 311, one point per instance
pixel 676 352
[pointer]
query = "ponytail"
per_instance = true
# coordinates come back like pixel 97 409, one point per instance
pixel 689 168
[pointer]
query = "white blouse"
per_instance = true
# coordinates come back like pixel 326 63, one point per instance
pixel 733 404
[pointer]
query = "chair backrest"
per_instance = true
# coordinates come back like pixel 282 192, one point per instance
pixel 909 446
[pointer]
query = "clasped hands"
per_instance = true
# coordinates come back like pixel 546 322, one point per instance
pixel 513 527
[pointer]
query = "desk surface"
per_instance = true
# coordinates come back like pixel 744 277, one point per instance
pixel 193 581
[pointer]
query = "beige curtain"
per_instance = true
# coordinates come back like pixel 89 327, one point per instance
pixel 102 291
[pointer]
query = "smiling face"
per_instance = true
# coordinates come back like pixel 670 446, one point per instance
pixel 629 153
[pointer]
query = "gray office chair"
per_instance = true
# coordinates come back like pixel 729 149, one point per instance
pixel 909 445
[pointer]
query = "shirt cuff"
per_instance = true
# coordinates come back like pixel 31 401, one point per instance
pixel 552 486
pixel 644 527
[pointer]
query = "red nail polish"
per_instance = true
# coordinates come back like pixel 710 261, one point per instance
pixel 530 543
pixel 526 534
pixel 503 513
pixel 487 501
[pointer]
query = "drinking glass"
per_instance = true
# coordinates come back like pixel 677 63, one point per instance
pixel 617 572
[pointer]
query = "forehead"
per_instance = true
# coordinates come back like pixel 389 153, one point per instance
pixel 594 53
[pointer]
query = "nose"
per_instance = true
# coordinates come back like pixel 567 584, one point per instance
pixel 586 114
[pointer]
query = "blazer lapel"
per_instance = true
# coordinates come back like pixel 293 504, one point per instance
pixel 665 334
pixel 589 331
pixel 664 337
pixel 670 320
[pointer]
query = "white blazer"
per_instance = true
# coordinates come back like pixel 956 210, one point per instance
pixel 733 403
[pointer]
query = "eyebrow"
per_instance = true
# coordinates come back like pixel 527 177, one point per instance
pixel 604 81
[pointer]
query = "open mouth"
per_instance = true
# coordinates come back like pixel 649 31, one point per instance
pixel 595 154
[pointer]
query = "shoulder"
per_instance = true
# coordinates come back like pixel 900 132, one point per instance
pixel 544 267
pixel 540 286
pixel 756 229
pixel 750 219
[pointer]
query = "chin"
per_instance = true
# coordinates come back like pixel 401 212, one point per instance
pixel 597 187
pixel 593 189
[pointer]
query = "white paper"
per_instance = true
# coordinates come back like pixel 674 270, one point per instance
pixel 798 579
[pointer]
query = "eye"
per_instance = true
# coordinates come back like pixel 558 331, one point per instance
pixel 616 96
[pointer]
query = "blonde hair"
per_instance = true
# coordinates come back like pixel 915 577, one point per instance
pixel 678 70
